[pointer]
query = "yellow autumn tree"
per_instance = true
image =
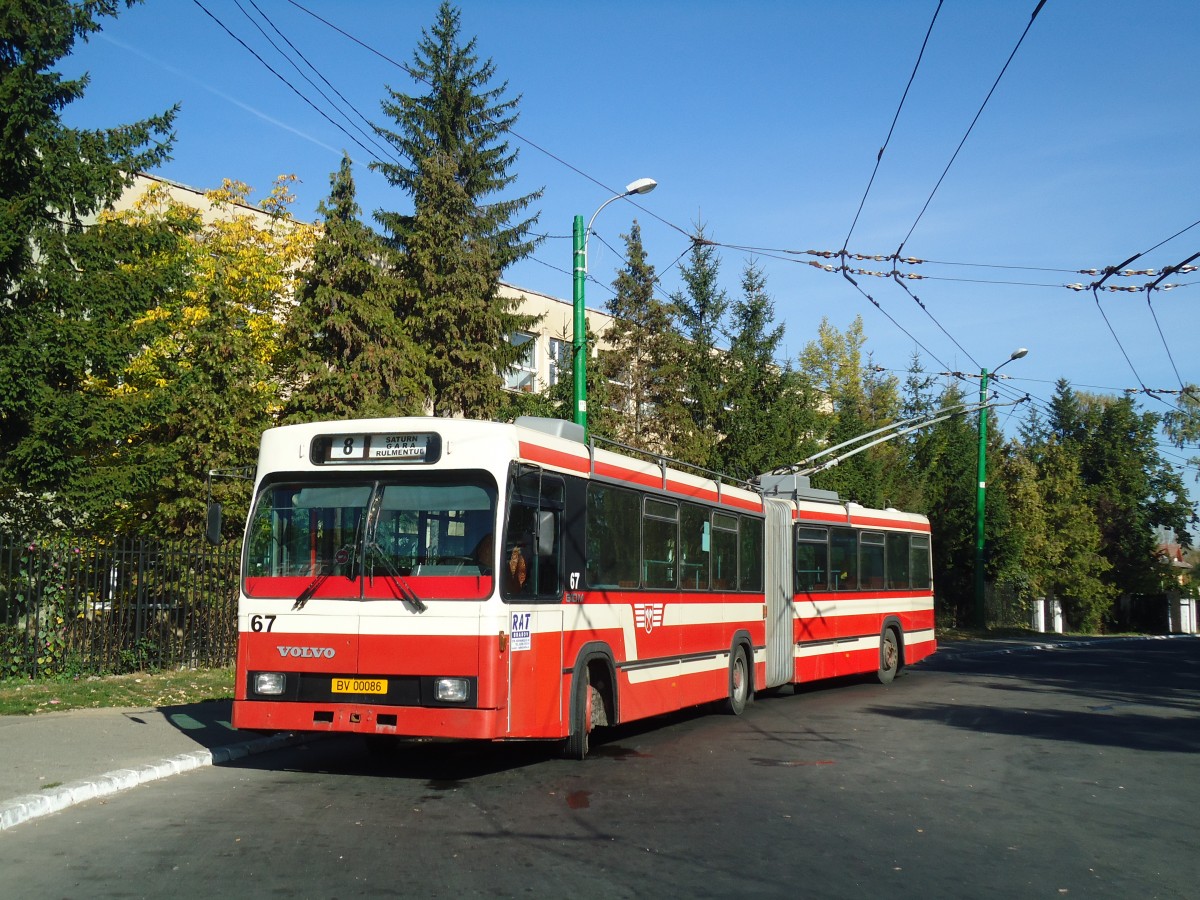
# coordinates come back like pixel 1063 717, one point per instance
pixel 198 387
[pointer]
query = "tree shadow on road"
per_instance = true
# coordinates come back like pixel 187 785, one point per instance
pixel 1140 695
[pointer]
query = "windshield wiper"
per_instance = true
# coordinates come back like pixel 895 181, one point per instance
pixel 315 585
pixel 402 587
pixel 310 590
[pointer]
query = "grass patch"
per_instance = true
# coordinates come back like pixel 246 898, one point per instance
pixel 968 633
pixel 24 697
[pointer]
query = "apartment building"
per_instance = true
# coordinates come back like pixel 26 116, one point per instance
pixel 547 345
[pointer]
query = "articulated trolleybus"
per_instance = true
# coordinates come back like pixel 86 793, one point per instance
pixel 444 578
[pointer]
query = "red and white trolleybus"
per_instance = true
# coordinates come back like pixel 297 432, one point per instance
pixel 449 578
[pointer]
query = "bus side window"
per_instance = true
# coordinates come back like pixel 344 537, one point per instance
pixel 694 542
pixel 613 536
pixel 750 568
pixel 724 554
pixel 920 565
pixel 812 559
pixel 843 559
pixel 871 560
pixel 660 537
pixel 898 560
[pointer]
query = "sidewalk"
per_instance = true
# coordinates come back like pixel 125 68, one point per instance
pixel 55 760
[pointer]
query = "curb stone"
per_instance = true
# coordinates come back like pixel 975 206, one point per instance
pixel 32 806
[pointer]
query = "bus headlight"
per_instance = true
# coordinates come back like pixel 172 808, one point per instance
pixel 452 690
pixel 269 683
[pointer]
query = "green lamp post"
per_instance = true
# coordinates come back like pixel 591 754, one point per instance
pixel 580 237
pixel 980 610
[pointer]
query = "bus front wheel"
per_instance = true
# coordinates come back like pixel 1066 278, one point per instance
pixel 578 738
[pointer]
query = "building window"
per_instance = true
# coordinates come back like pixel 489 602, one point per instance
pixel 560 359
pixel 522 374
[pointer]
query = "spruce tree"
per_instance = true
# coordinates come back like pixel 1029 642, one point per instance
pixel 644 362
pixel 1034 432
pixel 52 178
pixel 1054 551
pixel 461 233
pixel 84 405
pixel 1066 418
pixel 762 412
pixel 701 308
pixel 1071 563
pixel 345 354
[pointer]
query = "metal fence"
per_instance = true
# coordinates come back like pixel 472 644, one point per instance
pixel 1003 605
pixel 96 606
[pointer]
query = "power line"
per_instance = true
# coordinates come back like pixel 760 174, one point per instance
pixel 789 255
pixel 1109 272
pixel 971 127
pixel 318 73
pixel 291 86
pixel 417 77
pixel 895 274
pixel 891 319
pixel 892 128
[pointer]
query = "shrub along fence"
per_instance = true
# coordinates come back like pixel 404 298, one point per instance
pixel 75 606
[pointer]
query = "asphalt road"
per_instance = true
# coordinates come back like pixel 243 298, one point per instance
pixel 1064 773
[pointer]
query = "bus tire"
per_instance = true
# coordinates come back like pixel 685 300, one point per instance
pixel 889 656
pixel 739 681
pixel 578 737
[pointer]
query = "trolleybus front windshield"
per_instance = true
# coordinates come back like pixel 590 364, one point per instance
pixel 427 536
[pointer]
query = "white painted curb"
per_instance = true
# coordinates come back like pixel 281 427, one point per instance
pixel 32 806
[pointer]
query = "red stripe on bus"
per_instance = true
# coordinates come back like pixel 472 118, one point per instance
pixel 839 518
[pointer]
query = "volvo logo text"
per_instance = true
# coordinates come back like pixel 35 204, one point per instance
pixel 307 652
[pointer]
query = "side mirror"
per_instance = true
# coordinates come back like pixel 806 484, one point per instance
pixel 213 531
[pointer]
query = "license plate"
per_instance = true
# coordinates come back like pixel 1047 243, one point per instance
pixel 360 685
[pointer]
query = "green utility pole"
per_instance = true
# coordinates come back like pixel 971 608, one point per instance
pixel 579 337
pixel 579 235
pixel 980 607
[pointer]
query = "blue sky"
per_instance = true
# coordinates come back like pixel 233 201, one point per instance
pixel 762 120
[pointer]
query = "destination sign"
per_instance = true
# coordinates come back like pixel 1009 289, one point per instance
pixel 420 447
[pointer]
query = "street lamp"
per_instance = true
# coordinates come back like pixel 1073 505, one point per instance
pixel 579 338
pixel 980 610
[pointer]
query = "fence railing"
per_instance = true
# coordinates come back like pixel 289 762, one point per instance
pixel 98 606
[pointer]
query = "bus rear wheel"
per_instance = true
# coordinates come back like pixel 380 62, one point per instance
pixel 739 681
pixel 889 657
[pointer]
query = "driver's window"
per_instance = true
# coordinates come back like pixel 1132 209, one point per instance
pixel 529 559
